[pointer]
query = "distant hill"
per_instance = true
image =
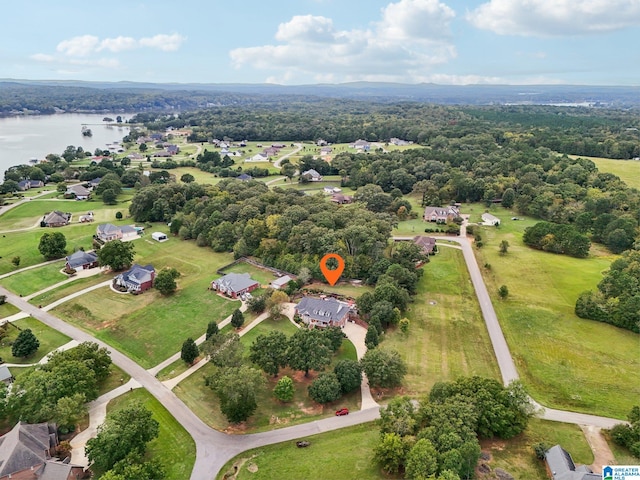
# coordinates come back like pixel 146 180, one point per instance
pixel 46 96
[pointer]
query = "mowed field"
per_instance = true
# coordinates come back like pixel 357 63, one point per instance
pixel 447 337
pixel 565 362
pixel 150 327
pixel 627 170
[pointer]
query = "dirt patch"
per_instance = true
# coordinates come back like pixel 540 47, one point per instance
pixel 236 428
pixel 252 467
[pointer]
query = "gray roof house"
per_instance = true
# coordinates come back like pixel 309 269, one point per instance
pixel 319 312
pixel 82 260
pixel 78 192
pixel 280 282
pixel 440 214
pixel 560 466
pixel 234 284
pixel 5 374
pixel 137 279
pixel 25 453
pixel 107 232
pixel 313 175
pixel 56 219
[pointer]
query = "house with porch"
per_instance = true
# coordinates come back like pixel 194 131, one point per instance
pixel 234 284
pixel 81 260
pixel 560 466
pixel 137 279
pixel 323 312
pixel 56 219
pixel 440 214
pixel 27 453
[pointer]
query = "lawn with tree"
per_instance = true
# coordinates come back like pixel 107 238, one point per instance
pixel 116 254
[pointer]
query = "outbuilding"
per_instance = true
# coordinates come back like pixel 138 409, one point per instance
pixel 159 236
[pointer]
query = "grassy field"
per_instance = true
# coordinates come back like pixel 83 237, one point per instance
pixel 565 362
pixel 270 413
pixel 49 339
pixel 25 244
pixel 447 336
pixel 353 291
pixel 151 327
pixel 337 455
pixel 627 170
pixel 173 447
pixel 6 310
pixel 68 288
pixel 31 281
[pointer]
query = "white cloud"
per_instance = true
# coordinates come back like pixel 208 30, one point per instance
pixel 411 37
pixel 42 57
pixel 546 18
pixel 118 44
pixel 166 43
pixel 79 46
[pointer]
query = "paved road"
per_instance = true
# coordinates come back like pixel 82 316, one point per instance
pixel 278 163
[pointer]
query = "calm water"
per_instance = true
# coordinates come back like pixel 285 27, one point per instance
pixel 24 138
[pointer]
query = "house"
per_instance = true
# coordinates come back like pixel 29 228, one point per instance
pixel 81 260
pixel 159 237
pixel 278 145
pixel 24 185
pixel 398 142
pixel 5 375
pixel 331 190
pixel 95 182
pixel 312 175
pixel 79 192
pixel 322 312
pixel 173 149
pixel 259 157
pixel 26 454
pixel 361 145
pixel 56 219
pixel 243 177
pixel 488 219
pixel 326 151
pixel 341 199
pixel 88 217
pixel 137 279
pixel 560 466
pixel 107 232
pixel 135 156
pixel 440 214
pixel 278 283
pixel 271 151
pixel 234 284
pixel 36 183
pixel 162 154
pixel 427 244
pixel 321 142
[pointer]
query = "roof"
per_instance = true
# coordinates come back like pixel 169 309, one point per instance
pixel 426 243
pixel 282 281
pixel 25 446
pixel 128 229
pixel 5 374
pixel 108 229
pixel 323 310
pixel 244 176
pixel 79 258
pixel 78 190
pixel 236 282
pixel 562 467
pixel 312 173
pixel 96 181
pixel 490 218
pixel 55 471
pixel 57 217
pixel 440 211
pixel 138 274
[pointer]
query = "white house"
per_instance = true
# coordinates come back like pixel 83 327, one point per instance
pixel 313 175
pixel 488 219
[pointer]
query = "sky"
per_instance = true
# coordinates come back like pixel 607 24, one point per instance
pixel 295 42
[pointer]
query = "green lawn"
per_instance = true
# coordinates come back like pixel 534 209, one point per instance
pixel 31 281
pixel 336 455
pixel 6 310
pixel 151 327
pixel 447 336
pixel 282 325
pixel 116 378
pixel 67 289
pixel 346 289
pixel 565 362
pixel 49 339
pixel 173 447
pixel 516 455
pixel 627 170
pixel 25 244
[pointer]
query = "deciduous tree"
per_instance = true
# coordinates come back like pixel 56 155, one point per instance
pixel 52 245
pixel 236 389
pixel 284 389
pixel 326 388
pixel 269 352
pixel 384 368
pixel 308 351
pixel 25 344
pixel 116 255
pixel 349 374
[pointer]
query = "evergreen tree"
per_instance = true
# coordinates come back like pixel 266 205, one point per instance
pixel 25 344
pixel 189 351
pixel 237 319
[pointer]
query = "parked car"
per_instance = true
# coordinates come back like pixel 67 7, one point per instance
pixel 342 411
pixel 302 444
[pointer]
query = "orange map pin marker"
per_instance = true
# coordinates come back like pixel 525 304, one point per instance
pixel 332 276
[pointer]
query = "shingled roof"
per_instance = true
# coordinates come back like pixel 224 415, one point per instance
pixel 25 446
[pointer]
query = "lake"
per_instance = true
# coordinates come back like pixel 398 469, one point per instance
pixel 35 136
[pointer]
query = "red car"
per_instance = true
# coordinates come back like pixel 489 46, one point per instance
pixel 342 411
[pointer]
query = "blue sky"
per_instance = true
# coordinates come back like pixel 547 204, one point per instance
pixel 324 41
